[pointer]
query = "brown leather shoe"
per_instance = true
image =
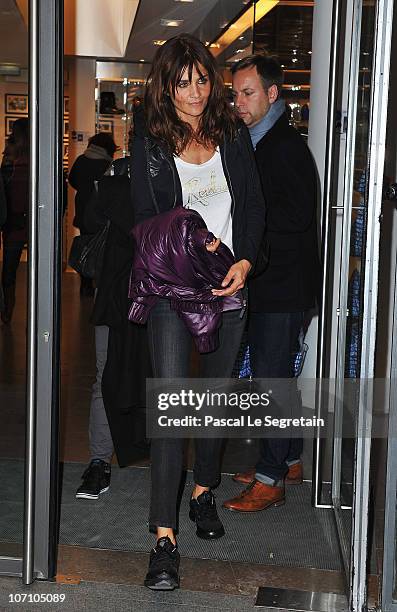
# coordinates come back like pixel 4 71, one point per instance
pixel 257 496
pixel 294 475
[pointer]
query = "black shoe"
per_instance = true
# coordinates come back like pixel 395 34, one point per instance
pixel 163 566
pixel 203 513
pixel 96 480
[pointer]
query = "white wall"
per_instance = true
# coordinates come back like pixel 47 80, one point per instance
pixel 319 85
pixel 98 28
pixel 82 73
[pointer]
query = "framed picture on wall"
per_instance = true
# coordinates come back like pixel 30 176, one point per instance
pixel 105 125
pixel 16 104
pixel 9 121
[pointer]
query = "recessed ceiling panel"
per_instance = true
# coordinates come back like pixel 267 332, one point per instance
pixel 147 26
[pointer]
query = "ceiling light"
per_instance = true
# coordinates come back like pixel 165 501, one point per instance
pixel 158 43
pixel 141 60
pixel 294 59
pixel 171 23
pixel 253 14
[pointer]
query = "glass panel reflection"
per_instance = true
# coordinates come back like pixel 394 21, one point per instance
pixel 358 239
pixel 14 204
pixel 286 32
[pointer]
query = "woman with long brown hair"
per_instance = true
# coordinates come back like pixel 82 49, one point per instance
pixel 191 150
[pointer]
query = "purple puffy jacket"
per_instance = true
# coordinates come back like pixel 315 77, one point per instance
pixel 171 261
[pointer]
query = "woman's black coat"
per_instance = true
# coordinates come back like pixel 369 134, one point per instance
pixel 163 190
pixel 128 363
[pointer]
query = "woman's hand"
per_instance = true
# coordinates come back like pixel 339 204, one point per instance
pixel 237 275
pixel 212 246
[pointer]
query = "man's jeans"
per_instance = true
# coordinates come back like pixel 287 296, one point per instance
pixel 101 443
pixel 274 343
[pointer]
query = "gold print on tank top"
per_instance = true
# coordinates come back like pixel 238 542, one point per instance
pixel 201 194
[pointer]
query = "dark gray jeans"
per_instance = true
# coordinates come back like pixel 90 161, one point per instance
pixel 170 349
pixel 101 443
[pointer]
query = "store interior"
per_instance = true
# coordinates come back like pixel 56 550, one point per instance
pixel 105 69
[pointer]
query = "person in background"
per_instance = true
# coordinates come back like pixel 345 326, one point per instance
pixel 88 168
pixel 15 175
pixel 281 295
pixel 117 409
pixel 192 150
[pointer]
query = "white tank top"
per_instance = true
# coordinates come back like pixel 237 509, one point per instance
pixel 204 189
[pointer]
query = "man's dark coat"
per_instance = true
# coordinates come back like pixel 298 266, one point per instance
pixel 289 180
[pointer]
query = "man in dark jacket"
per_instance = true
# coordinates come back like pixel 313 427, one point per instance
pixel 88 168
pixel 117 413
pixel 279 297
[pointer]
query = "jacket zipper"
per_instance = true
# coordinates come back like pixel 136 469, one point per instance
pixel 228 179
pixel 173 176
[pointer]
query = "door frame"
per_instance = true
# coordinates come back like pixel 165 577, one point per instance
pixel 41 490
pixel 377 139
pixel 46 101
pixel 354 546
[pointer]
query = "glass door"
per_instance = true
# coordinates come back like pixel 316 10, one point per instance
pixel 353 226
pixel 14 262
pixel 28 458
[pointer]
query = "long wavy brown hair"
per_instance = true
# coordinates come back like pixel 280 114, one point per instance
pixel 171 60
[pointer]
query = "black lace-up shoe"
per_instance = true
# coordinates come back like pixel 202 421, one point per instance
pixel 96 480
pixel 163 566
pixel 203 513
